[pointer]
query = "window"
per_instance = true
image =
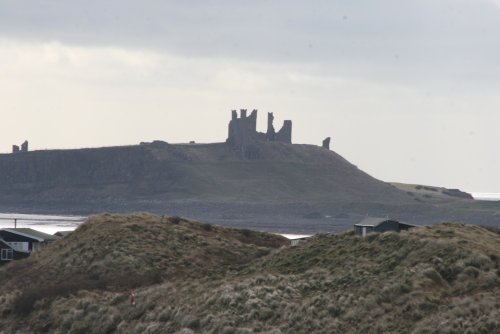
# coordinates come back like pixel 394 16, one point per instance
pixel 19 246
pixel 7 254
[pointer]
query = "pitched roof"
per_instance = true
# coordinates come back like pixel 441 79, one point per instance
pixel 31 233
pixel 372 221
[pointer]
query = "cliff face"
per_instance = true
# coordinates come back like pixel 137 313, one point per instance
pixel 47 169
pixel 272 187
pixel 55 174
pixel 276 172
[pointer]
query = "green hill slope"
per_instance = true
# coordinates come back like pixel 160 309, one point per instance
pixel 439 279
pixel 274 186
pixel 116 252
pixel 216 172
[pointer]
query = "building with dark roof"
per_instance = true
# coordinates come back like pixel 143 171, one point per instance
pixel 25 239
pixel 8 253
pixel 371 224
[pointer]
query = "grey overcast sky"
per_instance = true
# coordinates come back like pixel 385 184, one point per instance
pixel 408 90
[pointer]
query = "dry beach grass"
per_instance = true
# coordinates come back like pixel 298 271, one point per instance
pixel 439 279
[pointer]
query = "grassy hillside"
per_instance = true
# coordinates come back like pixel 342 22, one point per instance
pixel 111 252
pixel 274 172
pixel 272 186
pixel 439 279
pixel 430 194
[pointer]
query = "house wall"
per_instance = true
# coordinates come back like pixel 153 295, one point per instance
pixel 16 255
pixel 20 255
pixel 404 227
pixel 10 237
pixel 295 242
pixel 358 230
pixel 19 246
pixel 6 253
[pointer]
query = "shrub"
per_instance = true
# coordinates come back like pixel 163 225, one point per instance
pixel 471 272
pixel 228 330
pixel 206 226
pixel 175 220
pixel 479 261
pixel 247 233
pixel 449 272
pixel 25 302
pixel 492 229
pixel 433 275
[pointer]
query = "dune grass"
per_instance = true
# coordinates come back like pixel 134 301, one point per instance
pixel 439 279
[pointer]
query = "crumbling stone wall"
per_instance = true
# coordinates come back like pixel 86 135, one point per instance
pixel 243 133
pixel 285 134
pixel 271 133
pixel 242 130
pixel 24 147
pixel 326 143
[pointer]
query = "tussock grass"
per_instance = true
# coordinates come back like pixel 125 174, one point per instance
pixel 116 253
pixel 439 279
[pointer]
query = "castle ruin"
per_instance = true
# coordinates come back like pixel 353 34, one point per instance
pixel 326 143
pixel 243 130
pixel 23 148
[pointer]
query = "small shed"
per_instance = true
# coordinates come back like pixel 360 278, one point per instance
pixel 296 241
pixel 7 253
pixel 370 224
pixel 26 239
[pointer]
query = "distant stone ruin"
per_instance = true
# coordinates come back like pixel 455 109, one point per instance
pixel 24 147
pixel 243 130
pixel 326 143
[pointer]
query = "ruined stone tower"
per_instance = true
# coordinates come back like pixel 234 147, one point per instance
pixel 23 148
pixel 326 143
pixel 285 134
pixel 271 133
pixel 243 130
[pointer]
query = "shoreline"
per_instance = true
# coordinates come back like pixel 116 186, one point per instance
pixel 491 197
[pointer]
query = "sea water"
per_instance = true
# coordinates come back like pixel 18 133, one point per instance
pixel 486 196
pixel 51 223
pixel 44 223
pixel 54 223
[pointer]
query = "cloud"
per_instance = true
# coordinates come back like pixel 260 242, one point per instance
pixel 404 42
pixel 495 2
pixel 54 58
pixel 74 90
